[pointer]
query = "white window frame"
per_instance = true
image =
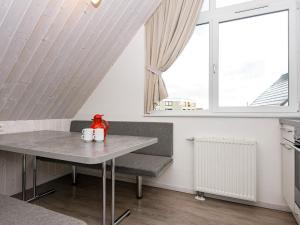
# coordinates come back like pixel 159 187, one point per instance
pixel 261 7
pixel 214 17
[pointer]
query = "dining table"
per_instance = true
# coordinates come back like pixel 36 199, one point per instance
pixel 69 147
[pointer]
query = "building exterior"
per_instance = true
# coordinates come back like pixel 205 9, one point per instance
pixel 176 105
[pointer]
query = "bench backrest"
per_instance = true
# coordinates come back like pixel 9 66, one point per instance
pixel 163 131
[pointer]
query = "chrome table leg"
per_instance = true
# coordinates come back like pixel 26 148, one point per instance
pixel 74 175
pixel 127 212
pixel 113 191
pixel 24 177
pixel 51 191
pixel 34 179
pixel 34 173
pixel 122 217
pixel 103 193
pixel 139 188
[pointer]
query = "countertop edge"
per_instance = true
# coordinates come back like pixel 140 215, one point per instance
pixel 291 122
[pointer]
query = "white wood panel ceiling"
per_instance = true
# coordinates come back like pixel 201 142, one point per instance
pixel 54 53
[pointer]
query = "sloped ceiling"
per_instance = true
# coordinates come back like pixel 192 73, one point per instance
pixel 54 53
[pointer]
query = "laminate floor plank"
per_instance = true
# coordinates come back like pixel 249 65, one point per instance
pixel 158 207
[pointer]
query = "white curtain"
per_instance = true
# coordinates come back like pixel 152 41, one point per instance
pixel 167 33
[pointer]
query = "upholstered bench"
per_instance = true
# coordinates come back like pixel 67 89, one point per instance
pixel 16 212
pixel 147 162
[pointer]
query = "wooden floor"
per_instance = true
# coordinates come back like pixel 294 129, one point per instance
pixel 158 207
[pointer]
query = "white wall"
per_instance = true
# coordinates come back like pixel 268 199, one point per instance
pixel 120 97
pixel 10 163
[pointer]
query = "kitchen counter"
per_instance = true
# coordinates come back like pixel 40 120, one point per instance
pixel 290 121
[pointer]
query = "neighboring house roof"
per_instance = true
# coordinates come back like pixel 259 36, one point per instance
pixel 276 95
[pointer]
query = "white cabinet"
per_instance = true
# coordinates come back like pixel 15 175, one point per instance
pixel 288 165
pixel 297 213
pixel 288 173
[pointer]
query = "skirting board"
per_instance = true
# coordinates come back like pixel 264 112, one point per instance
pixel 147 182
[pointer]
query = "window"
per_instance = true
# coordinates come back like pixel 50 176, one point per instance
pixel 254 74
pixel 183 81
pixel 241 58
pixel 205 6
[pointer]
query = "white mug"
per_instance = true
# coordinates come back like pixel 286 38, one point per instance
pixel 99 134
pixel 87 134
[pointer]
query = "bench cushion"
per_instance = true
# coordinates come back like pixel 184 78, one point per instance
pixel 149 161
pixel 142 165
pixel 133 164
pixel 16 212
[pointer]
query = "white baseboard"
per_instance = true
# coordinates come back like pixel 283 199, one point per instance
pixel 152 183
pixel 256 204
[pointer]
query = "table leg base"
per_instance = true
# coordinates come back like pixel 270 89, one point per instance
pixel 41 195
pixel 122 217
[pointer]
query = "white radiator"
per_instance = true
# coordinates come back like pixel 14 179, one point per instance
pixel 225 167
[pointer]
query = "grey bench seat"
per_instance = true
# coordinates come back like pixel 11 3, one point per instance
pixel 149 162
pixel 132 163
pixel 16 212
pixel 142 165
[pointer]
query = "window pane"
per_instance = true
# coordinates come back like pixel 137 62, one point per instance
pixel 205 6
pixel 187 80
pixel 253 61
pixel 223 3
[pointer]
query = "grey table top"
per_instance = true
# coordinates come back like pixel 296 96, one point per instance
pixel 69 147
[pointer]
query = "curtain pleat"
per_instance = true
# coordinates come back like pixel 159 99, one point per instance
pixel 167 33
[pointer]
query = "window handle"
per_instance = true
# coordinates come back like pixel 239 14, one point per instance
pixel 214 68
